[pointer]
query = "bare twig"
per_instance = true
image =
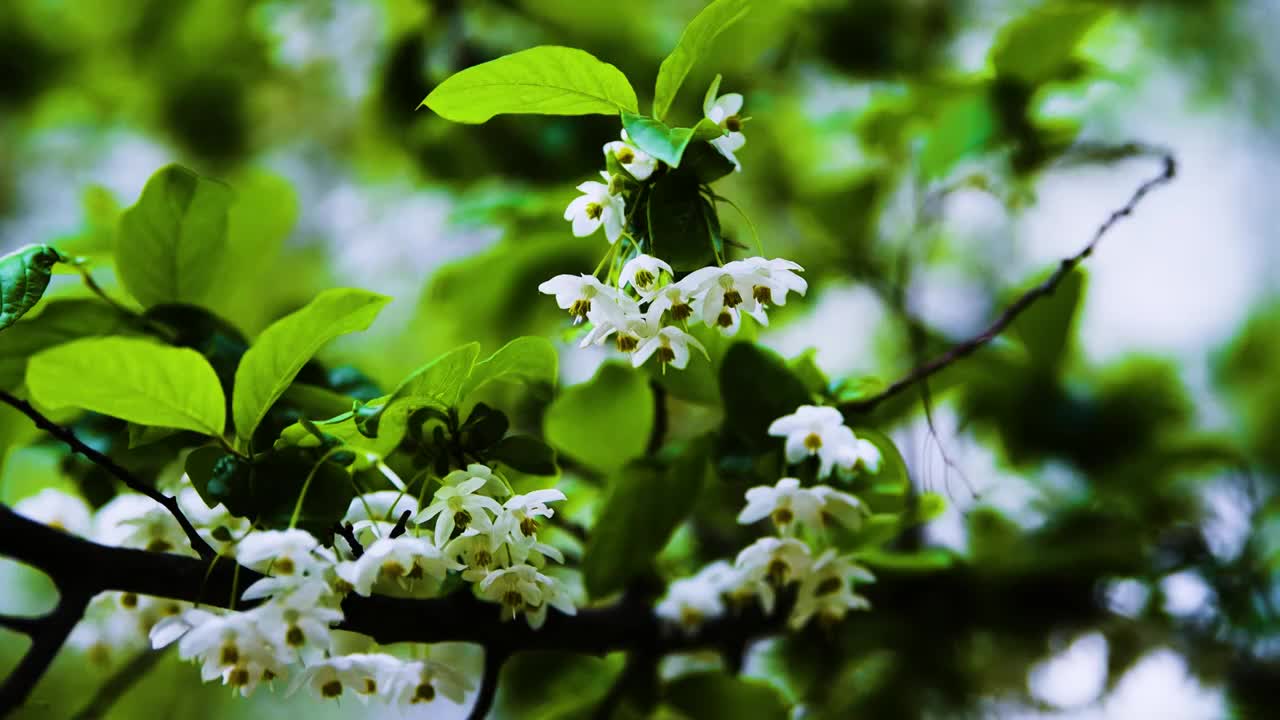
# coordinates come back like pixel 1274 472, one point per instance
pixel 348 532
pixel 1168 173
pixel 198 543
pixel 494 658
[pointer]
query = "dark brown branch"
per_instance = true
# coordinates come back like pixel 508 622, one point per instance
pixel 458 617
pixel 348 532
pixel 111 466
pixel 494 658
pixel 968 347
pixel 401 525
pixel 47 637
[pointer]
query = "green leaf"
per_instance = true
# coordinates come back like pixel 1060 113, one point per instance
pixel 705 164
pixel 1039 47
pixel 438 384
pixel 604 422
pixel 59 321
pixel 964 127
pixel 715 695
pixel 695 42
pixel 527 359
pixel 757 388
pixel 172 241
pixel 545 80
pixel 892 478
pixel 644 506
pixel 683 227
pixel 1045 328
pixel 805 367
pixel 925 560
pixel 270 365
pixel 928 507
pixel 526 454
pixel 24 275
pixel 131 379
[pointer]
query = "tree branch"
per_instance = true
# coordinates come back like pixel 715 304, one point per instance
pixel 198 544
pixel 494 658
pixel 1017 307
pixel 458 617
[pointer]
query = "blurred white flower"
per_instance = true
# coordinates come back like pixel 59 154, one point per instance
pixel 57 509
pixel 771 563
pixel 827 590
pixel 786 503
pixel 811 431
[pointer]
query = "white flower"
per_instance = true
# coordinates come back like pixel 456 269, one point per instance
pixel 299 623
pixel 597 206
pixel 642 273
pixel 404 559
pixel 771 563
pixel 229 646
pixel 770 280
pixel 621 317
pixel 494 484
pixel 721 294
pixel 458 506
pixel 827 590
pixel 859 455
pixel 635 161
pixel 137 521
pixel 533 552
pixel 785 503
pixel 420 681
pixel 364 674
pixel 474 550
pixel 575 293
pixel 554 595
pixel 723 111
pixel 515 588
pixel 843 507
pixel 812 430
pixel 691 601
pixel 518 521
pixel 57 509
pixel 677 298
pixel 374 515
pixel 120 622
pixel 671 345
pixel 284 554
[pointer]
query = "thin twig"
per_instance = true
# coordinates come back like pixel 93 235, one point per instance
pixel 1168 173
pixel 198 543
pixel 348 532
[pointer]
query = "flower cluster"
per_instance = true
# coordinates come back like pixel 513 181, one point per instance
pixel 797 555
pixel 641 304
pixel 474 531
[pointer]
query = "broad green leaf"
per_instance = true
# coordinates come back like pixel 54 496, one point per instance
pixel 964 127
pixel 1045 328
pixel 275 358
pixel 526 359
pixel 438 384
pixel 805 367
pixel 171 242
pixel 757 388
pixel 694 43
pixel 652 136
pixel 267 489
pixel 24 275
pixel 527 454
pixel 131 379
pixel 644 506
pixel 714 695
pixel 58 321
pixel 604 422
pixel 1039 47
pixel 544 80
pixel 258 222
pixel 683 227
pixel 704 163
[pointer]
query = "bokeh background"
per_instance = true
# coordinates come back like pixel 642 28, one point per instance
pixel 1113 502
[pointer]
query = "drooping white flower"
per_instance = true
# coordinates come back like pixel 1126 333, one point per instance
pixel 533 552
pixel 284 554
pixel 554 594
pixel 676 299
pixel 771 563
pixel 515 588
pixel 459 507
pixel 723 111
pixel 474 550
pixel 299 623
pixel 786 503
pixel 57 509
pixel 846 509
pixel 597 206
pixel 861 454
pixel 404 559
pixel 635 161
pixel 827 590
pixel 642 272
pixel 364 674
pixel 116 624
pixel 421 681
pixel 374 515
pixel 721 294
pixel 620 317
pixel 229 646
pixel 518 521
pixel 770 280
pixel 494 484
pixel 810 431
pixel 670 345
pixel 136 521
pixel 576 293
pixel 691 601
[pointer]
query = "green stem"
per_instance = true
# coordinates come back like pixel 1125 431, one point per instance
pixel 306 485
